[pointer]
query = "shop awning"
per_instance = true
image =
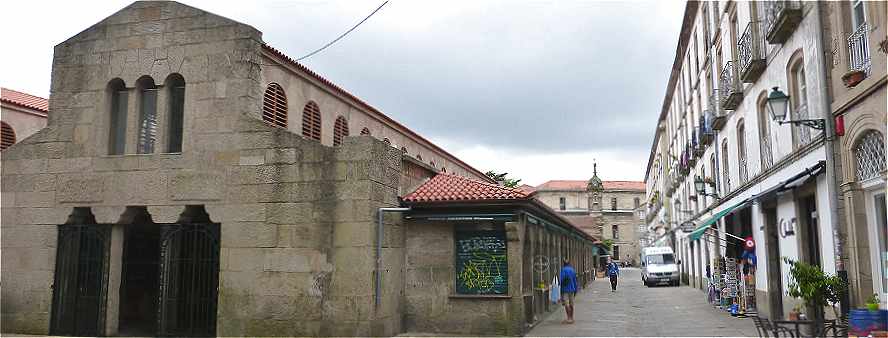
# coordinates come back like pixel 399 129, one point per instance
pixel 698 232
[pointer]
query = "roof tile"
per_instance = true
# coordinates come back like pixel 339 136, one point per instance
pixel 580 185
pixel 447 187
pixel 23 99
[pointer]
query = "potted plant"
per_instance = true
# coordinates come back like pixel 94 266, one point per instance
pixel 853 77
pixel 863 322
pixel 815 288
pixel 795 312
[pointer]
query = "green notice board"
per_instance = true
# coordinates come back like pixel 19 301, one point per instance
pixel 481 263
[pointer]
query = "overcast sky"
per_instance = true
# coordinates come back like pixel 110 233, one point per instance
pixel 534 88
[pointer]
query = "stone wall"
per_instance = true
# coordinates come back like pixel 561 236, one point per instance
pixel 296 217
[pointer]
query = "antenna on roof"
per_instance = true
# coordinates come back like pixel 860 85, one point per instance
pixel 343 34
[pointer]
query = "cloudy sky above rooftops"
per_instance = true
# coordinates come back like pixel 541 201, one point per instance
pixel 538 89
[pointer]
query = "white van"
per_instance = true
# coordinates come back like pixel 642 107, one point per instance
pixel 658 266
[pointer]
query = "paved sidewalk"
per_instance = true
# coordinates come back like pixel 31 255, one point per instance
pixel 636 310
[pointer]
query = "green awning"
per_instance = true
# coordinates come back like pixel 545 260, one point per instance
pixel 698 232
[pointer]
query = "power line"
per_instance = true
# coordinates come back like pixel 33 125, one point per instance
pixel 343 34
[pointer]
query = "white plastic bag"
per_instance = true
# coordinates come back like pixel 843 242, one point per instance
pixel 555 291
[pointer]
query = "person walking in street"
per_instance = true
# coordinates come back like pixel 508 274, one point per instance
pixel 568 290
pixel 613 270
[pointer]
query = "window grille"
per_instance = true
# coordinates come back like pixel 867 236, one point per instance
pixel 274 106
pixel 340 130
pixel 147 116
pixel 870 155
pixel 7 135
pixel 311 121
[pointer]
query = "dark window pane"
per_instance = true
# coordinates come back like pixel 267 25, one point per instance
pixel 147 121
pixel 177 111
pixel 117 139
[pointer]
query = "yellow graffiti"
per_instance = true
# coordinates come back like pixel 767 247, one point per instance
pixel 482 272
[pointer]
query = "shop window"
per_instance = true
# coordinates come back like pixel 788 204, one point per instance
pixel 147 115
pixel 562 203
pixel 870 155
pixel 117 124
pixel 175 84
pixel 274 106
pixel 7 135
pixel 340 130
pixel 311 121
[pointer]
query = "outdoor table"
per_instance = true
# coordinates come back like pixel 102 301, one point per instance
pixel 818 329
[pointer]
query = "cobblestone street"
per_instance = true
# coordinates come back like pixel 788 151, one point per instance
pixel 636 310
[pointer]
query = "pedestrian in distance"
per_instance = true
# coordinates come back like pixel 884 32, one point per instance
pixel 613 270
pixel 568 290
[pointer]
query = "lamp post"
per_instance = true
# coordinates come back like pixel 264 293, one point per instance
pixel 700 186
pixel 778 106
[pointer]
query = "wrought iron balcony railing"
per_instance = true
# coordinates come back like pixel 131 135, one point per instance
pixel 726 181
pixel 803 133
pixel 744 174
pixel 781 19
pixel 730 87
pixel 858 45
pixel 767 157
pixel 751 53
pixel 705 131
pixel 719 116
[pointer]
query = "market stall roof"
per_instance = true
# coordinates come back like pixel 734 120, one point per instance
pixel 695 235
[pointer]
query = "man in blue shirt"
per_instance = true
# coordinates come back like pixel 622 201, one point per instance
pixel 612 271
pixel 568 290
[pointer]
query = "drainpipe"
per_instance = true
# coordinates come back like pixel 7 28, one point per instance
pixel 829 145
pixel 379 238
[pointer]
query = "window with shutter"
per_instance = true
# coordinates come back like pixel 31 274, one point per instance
pixel 311 121
pixel 274 106
pixel 340 130
pixel 7 135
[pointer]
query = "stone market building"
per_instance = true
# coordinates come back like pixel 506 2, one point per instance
pixel 610 210
pixel 22 115
pixel 193 180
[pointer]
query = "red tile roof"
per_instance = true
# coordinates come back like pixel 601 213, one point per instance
pixel 372 109
pixel 527 188
pixel 580 185
pixel 447 187
pixel 25 100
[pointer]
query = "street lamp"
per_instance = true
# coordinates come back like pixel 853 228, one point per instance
pixel 778 106
pixel 700 186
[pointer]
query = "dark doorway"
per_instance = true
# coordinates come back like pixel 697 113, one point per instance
pixel 138 291
pixel 775 276
pixel 81 276
pixel 811 230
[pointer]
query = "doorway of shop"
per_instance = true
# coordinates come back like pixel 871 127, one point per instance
pixel 775 275
pixel 810 234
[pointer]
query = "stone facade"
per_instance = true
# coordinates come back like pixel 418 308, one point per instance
pixel 297 217
pixel 617 207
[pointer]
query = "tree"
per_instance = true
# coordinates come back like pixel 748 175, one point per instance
pixel 507 182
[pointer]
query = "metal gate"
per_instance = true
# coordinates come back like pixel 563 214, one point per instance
pixel 189 279
pixel 80 284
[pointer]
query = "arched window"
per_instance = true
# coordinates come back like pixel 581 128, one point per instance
pixel 432 163
pixel 419 157
pixel 365 132
pixel 726 168
pixel 7 135
pixel 118 97
pixel 764 124
pixel 311 121
pixel 869 154
pixel 340 130
pixel 798 86
pixel 712 163
pixel 274 106
pixel 741 152
pixel 175 84
pixel 147 115
pixel 387 141
pixel 404 150
pixel 443 169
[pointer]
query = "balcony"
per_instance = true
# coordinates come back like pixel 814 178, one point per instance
pixel 858 45
pixel 719 116
pixel 751 53
pixel 705 131
pixel 744 173
pixel 803 133
pixel 729 86
pixel 726 181
pixel 781 19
